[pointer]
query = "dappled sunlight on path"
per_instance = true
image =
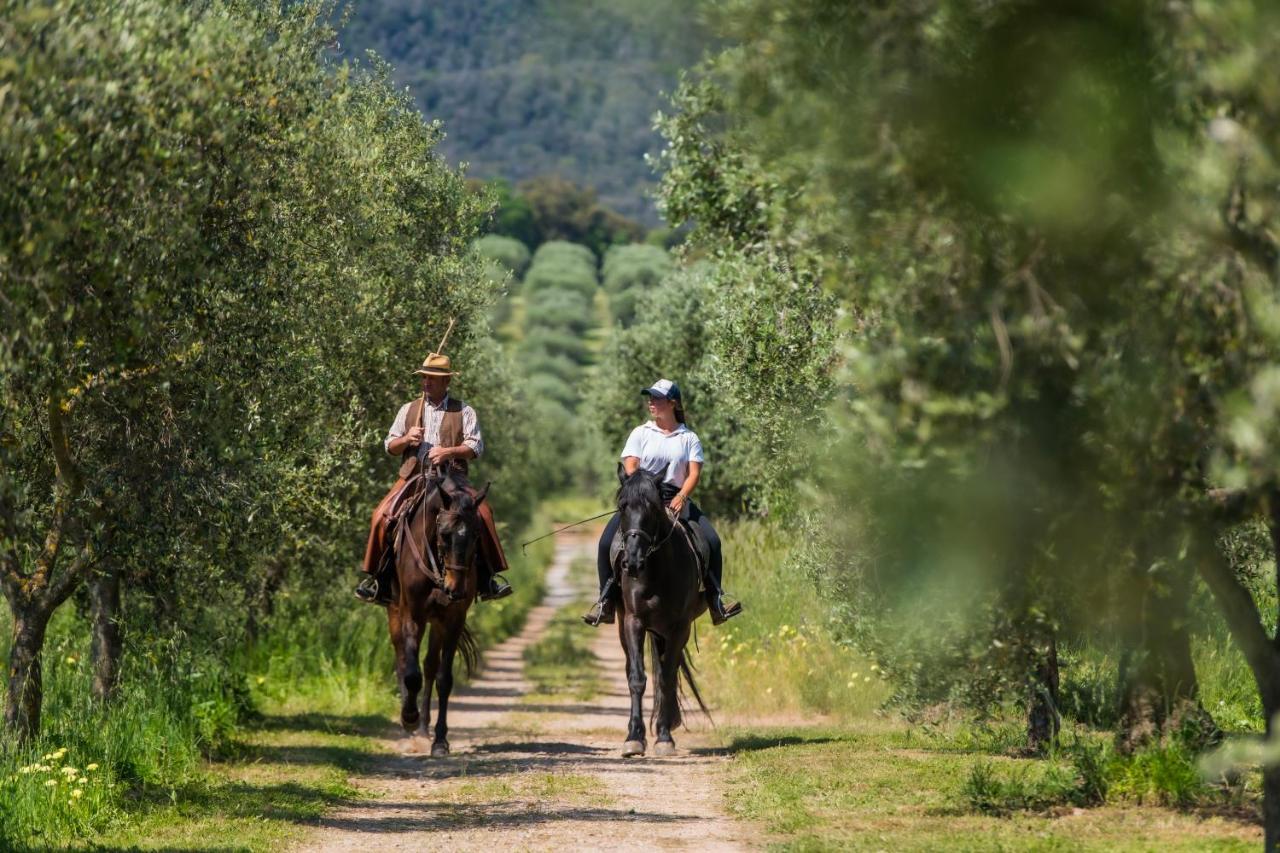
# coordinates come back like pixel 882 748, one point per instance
pixel 539 774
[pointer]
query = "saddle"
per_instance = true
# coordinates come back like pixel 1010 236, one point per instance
pixel 693 535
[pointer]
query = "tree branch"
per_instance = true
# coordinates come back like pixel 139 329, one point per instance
pixel 1243 619
pixel 1252 242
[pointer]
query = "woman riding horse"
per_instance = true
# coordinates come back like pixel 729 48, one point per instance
pixel 665 447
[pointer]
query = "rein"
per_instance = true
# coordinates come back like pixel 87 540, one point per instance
pixel 524 545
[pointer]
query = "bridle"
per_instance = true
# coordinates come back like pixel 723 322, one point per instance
pixel 427 564
pixel 449 568
pixel 654 546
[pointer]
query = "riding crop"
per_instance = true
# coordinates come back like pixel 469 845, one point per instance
pixel 524 545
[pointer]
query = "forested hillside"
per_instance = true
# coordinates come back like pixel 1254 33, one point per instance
pixel 532 87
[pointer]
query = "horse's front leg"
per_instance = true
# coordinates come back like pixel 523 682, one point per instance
pixel 631 632
pixel 411 629
pixel 430 665
pixel 444 685
pixel 396 628
pixel 668 666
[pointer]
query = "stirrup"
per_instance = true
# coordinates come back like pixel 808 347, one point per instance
pixel 721 614
pixel 600 613
pixel 498 588
pixel 370 592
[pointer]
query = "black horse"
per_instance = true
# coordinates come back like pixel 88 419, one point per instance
pixel 660 598
pixel 436 575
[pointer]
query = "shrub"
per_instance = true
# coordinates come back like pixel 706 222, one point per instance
pixel 559 309
pixel 634 265
pixel 509 252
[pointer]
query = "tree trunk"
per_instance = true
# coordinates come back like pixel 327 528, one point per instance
pixel 1042 706
pixel 1260 650
pixel 1159 690
pixel 263 605
pixel 105 646
pixel 25 691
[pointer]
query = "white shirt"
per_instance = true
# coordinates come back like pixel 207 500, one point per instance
pixel 432 417
pixel 664 453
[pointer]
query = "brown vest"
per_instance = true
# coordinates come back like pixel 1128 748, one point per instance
pixel 450 434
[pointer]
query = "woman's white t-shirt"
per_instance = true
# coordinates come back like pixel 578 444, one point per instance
pixel 664 453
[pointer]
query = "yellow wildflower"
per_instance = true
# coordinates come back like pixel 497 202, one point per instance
pixel 78 793
pixel 262 679
pixel 50 783
pixel 91 767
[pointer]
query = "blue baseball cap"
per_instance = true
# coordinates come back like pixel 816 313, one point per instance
pixel 664 388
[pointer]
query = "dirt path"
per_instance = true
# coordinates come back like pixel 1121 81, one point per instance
pixel 540 775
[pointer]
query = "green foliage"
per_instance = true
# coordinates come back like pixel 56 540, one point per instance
pixel 1089 774
pixel 513 215
pixel 562 210
pixel 559 265
pixel 670 338
pixel 785 654
pixel 628 270
pixel 1059 287
pixel 529 89
pixel 173 709
pixel 507 252
pixel 554 307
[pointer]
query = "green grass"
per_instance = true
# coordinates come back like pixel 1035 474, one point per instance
pixel 878 785
pixel 560 665
pixel 779 656
pixel 183 760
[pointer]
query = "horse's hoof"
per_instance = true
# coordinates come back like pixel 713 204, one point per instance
pixel 632 748
pixel 409 724
pixel 440 749
pixel 664 748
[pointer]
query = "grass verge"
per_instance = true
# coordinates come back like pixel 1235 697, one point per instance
pixel 878 785
pixel 173 764
pixel 780 656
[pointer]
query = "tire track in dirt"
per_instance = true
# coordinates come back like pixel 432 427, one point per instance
pixel 532 775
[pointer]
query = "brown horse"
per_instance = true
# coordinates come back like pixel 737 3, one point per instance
pixel 436 545
pixel 660 598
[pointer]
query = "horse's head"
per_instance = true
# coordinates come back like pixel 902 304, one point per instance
pixel 641 515
pixel 458 534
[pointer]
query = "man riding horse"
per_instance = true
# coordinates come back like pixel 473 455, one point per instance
pixel 433 430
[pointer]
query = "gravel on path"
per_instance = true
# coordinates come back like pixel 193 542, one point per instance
pixel 544 775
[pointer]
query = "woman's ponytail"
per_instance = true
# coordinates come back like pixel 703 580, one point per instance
pixel 679 412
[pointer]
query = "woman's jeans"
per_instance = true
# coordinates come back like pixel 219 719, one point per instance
pixel 696 516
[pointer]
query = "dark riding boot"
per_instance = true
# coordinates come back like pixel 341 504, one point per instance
pixel 720 613
pixel 373 591
pixel 494 587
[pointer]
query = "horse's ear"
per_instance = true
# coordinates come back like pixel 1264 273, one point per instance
pixel 622 474
pixel 484 493
pixel 658 478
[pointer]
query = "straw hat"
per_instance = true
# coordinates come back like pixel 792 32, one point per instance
pixel 436 364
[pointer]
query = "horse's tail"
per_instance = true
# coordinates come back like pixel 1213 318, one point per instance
pixel 657 645
pixel 469 651
pixel 686 669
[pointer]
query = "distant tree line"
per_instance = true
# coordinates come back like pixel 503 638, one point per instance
pixel 529 89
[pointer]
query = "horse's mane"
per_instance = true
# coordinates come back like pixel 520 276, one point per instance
pixel 639 489
pixel 454 482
